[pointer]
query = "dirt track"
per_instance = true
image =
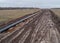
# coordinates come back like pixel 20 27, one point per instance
pixel 43 28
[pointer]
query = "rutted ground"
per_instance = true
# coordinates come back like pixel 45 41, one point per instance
pixel 42 29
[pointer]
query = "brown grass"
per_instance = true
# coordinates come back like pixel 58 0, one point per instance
pixel 6 15
pixel 56 11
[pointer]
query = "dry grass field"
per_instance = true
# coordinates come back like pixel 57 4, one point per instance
pixel 7 15
pixel 56 11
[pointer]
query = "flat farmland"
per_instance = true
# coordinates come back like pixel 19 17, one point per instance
pixel 7 15
pixel 56 11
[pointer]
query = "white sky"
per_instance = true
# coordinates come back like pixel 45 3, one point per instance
pixel 30 3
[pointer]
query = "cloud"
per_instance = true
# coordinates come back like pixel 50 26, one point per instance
pixel 30 3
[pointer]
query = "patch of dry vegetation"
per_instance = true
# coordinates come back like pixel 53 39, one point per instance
pixel 56 11
pixel 7 15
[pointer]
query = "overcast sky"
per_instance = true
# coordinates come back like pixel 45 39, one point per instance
pixel 30 3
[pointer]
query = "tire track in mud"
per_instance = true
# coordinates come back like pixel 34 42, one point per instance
pixel 41 29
